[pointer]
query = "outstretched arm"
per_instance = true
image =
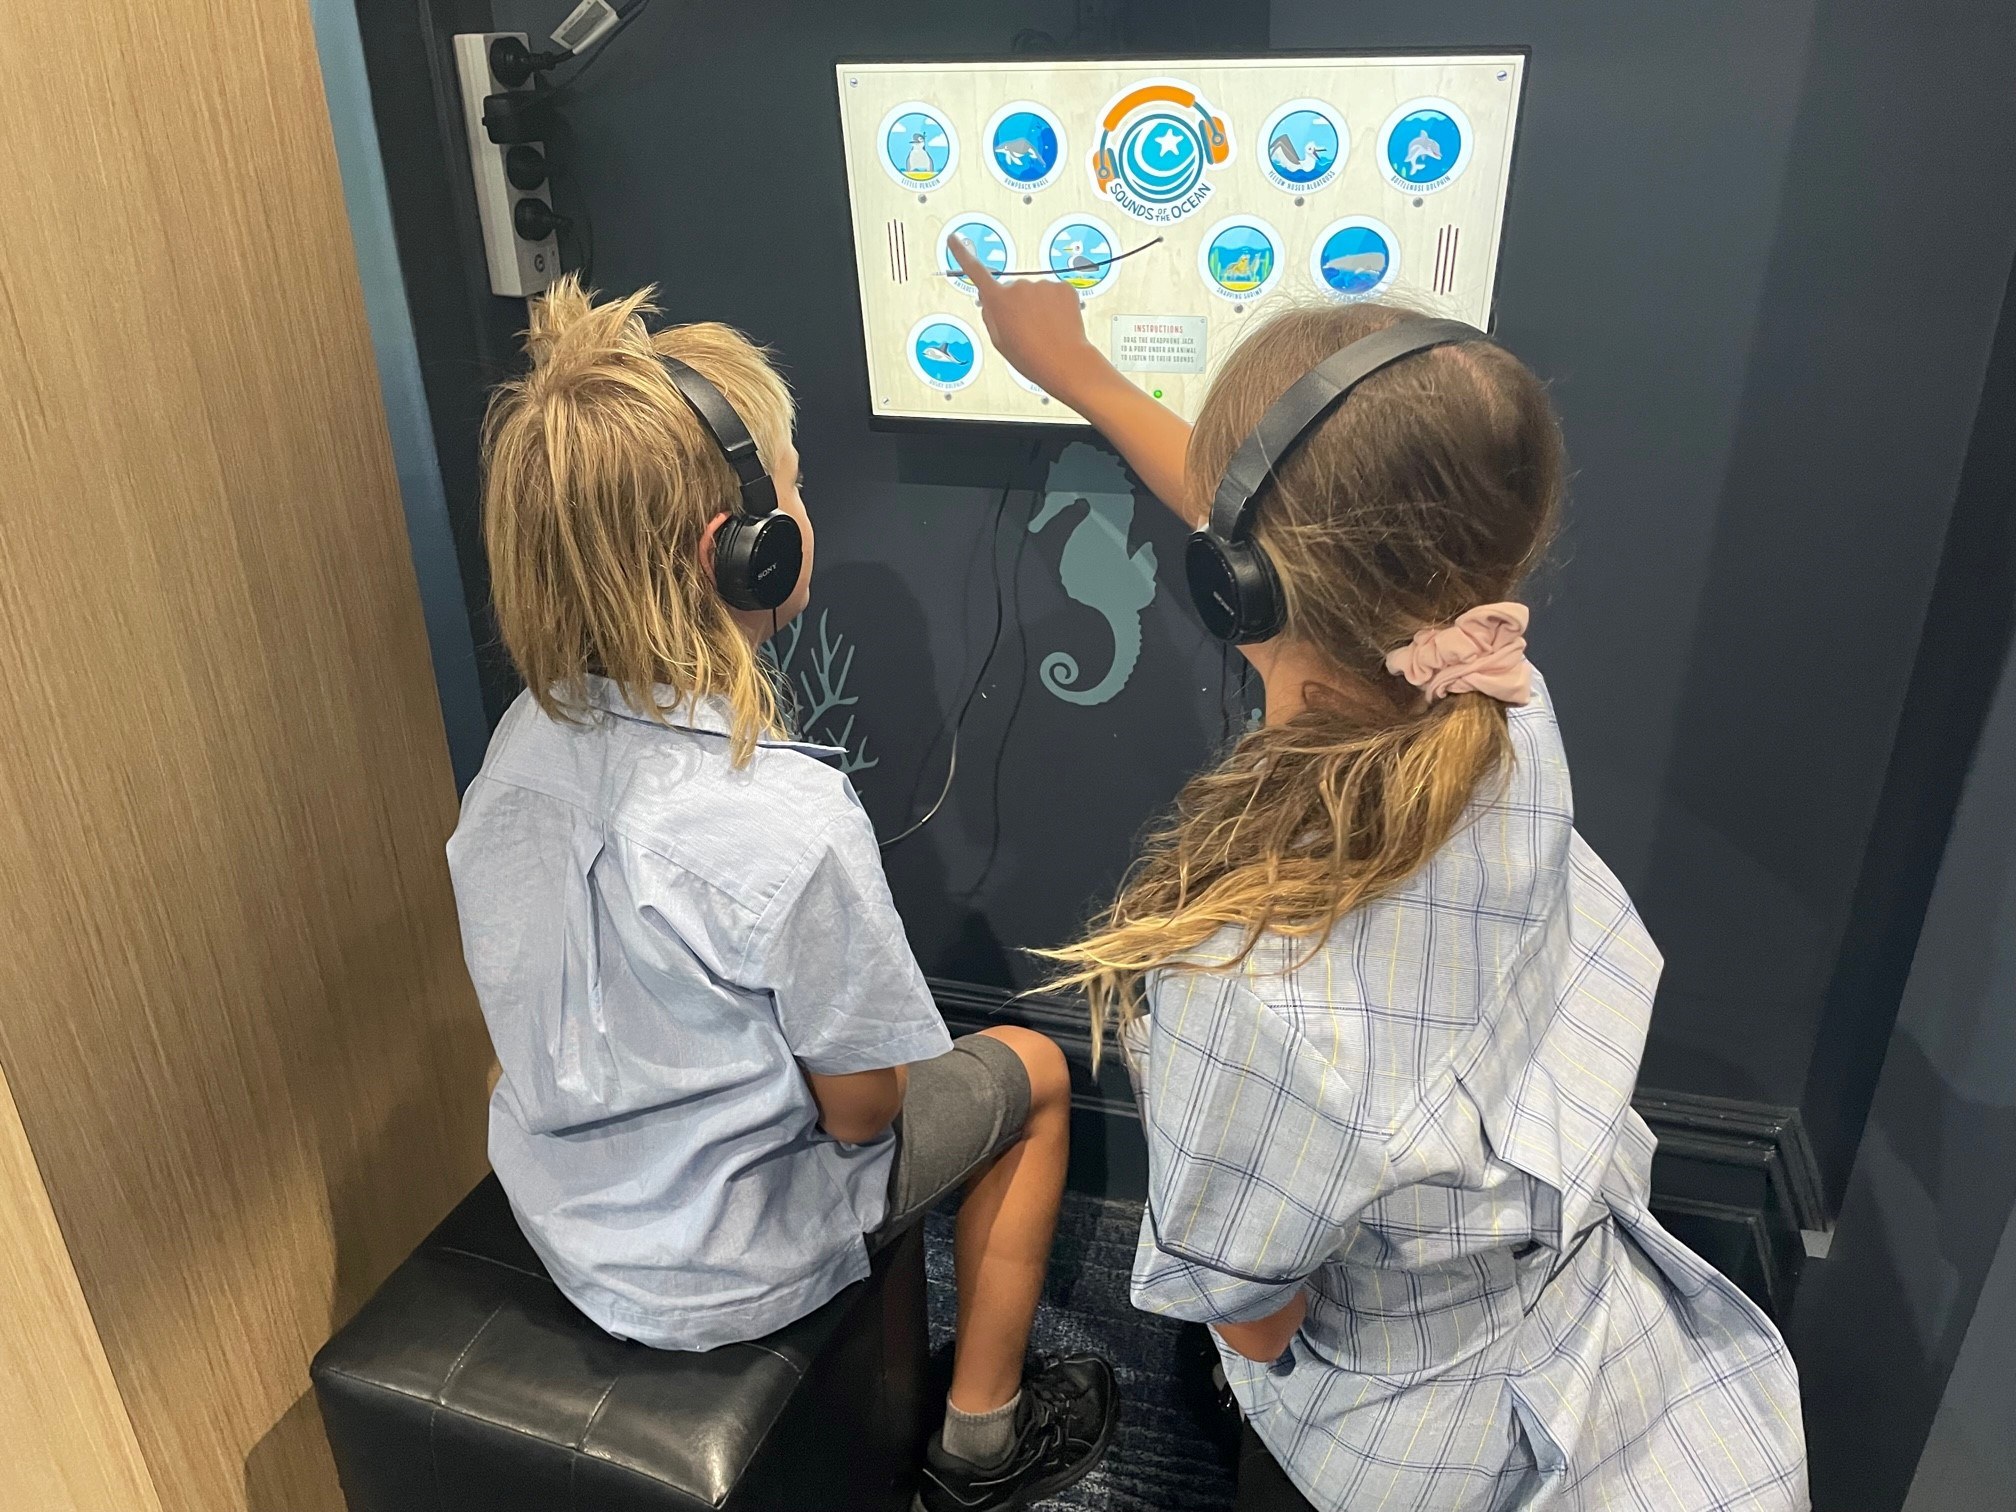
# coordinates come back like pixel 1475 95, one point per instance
pixel 1037 325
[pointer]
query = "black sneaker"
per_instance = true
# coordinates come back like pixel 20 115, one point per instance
pixel 1062 1429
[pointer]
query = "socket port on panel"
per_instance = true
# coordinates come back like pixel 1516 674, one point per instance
pixel 525 166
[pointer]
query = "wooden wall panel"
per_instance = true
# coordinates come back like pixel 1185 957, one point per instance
pixel 70 1447
pixel 233 1010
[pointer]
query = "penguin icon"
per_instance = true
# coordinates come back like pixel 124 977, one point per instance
pixel 918 165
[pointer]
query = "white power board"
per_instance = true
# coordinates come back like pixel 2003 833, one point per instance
pixel 1182 198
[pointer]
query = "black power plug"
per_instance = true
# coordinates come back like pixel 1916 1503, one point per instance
pixel 534 220
pixel 512 62
pixel 517 116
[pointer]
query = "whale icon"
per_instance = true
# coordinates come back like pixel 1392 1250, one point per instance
pixel 1357 262
pixel 1014 154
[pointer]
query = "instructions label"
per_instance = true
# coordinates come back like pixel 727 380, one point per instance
pixel 1160 343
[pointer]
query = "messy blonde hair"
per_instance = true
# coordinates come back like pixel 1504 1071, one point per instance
pixel 598 484
pixel 1432 490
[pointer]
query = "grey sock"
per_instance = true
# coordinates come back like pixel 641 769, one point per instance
pixel 981 1438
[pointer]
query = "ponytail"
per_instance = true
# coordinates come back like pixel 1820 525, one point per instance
pixel 1300 824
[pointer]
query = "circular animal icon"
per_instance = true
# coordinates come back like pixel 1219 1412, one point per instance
pixel 1424 146
pixel 1080 250
pixel 1156 142
pixel 1025 146
pixel 944 352
pixel 1355 258
pixel 990 242
pixel 1306 142
pixel 1240 258
pixel 919 148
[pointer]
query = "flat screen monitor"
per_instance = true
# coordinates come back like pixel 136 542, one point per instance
pixel 1183 199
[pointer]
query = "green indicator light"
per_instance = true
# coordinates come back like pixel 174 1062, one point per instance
pixel 1158 393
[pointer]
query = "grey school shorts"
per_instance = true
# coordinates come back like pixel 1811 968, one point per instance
pixel 963 1108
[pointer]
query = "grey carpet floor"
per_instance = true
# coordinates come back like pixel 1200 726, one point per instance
pixel 1163 1459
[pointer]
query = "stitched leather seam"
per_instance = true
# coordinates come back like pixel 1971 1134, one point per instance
pixel 525 1433
pixel 516 1270
pixel 440 1400
pixel 581 1444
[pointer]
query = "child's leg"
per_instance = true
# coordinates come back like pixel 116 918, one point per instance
pixel 1005 1227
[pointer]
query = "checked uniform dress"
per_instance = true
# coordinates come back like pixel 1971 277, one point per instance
pixel 1427 1124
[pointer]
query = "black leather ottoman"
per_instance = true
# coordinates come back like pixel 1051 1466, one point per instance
pixel 469 1384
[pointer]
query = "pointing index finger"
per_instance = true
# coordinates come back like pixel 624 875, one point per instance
pixel 969 262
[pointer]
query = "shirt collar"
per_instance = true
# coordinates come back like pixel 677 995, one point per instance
pixel 706 716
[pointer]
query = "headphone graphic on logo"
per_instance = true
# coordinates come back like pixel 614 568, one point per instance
pixel 1107 161
pixel 758 551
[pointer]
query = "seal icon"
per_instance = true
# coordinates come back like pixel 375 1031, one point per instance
pixel 1424 145
pixel 1025 146
pixel 1355 258
pixel 918 147
pixel 1157 141
pixel 1306 143
pixel 1240 258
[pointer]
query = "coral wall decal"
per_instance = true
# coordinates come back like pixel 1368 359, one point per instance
pixel 818 689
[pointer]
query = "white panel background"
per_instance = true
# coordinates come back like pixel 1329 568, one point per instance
pixel 1163 280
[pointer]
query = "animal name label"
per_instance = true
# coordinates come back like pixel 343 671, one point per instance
pixel 1160 343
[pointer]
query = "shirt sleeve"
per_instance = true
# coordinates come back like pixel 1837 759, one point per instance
pixel 1255 1174
pixel 831 952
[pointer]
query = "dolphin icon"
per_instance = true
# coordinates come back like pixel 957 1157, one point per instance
pixel 1420 150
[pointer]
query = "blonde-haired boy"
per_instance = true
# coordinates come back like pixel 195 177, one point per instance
pixel 724 1079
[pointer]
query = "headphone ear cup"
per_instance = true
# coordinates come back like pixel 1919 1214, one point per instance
pixel 757 560
pixel 1235 589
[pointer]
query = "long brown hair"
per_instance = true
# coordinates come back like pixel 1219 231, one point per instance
pixel 598 482
pixel 1432 490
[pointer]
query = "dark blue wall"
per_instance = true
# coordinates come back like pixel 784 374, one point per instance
pixel 1766 306
pixel 1752 247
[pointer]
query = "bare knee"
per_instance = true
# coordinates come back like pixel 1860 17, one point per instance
pixel 1049 1073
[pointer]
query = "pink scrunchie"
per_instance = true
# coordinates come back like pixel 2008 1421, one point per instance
pixel 1484 651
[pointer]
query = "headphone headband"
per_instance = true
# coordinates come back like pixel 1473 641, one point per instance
pixel 759 551
pixel 1309 399
pixel 759 492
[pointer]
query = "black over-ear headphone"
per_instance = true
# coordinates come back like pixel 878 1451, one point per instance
pixel 1234 585
pixel 758 551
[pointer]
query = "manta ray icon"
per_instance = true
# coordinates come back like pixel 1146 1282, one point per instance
pixel 1096 568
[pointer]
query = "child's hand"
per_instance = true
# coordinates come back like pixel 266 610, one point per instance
pixel 1036 324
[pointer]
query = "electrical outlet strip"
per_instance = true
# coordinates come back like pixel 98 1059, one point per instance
pixel 518 267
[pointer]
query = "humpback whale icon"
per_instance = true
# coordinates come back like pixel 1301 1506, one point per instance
pixel 1420 150
pixel 1096 568
pixel 1014 154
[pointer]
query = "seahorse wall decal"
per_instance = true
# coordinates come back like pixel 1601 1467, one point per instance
pixel 1096 567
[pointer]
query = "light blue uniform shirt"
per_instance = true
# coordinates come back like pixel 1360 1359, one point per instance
pixel 659 941
pixel 1425 1124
